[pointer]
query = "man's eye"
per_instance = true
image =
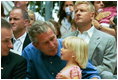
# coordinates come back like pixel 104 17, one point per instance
pixel 6 41
pixel 76 11
pixel 16 18
pixel 9 19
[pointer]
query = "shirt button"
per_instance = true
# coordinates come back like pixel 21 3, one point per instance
pixel 50 62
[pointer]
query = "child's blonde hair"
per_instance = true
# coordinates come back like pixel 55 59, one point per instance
pixel 80 49
pixel 30 12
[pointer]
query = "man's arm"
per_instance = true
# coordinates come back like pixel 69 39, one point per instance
pixel 109 58
pixel 90 72
pixel 30 71
pixel 20 69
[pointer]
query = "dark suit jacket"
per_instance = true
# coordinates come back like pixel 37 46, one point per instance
pixel 13 66
pixel 27 41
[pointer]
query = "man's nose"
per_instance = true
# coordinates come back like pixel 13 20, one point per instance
pixel 78 13
pixel 51 44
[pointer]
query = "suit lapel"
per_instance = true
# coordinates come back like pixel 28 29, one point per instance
pixel 26 41
pixel 94 41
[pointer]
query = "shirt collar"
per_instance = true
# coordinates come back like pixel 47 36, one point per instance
pixel 89 32
pixel 22 38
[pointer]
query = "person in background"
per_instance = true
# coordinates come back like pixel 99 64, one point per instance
pixel 24 5
pixel 43 54
pixel 111 11
pixel 32 17
pixel 13 66
pixel 65 17
pixel 57 27
pixel 101 46
pixel 75 52
pixel 19 20
pixel 2 11
pixel 100 5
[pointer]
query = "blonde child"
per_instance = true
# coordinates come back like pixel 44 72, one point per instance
pixel 75 52
pixel 32 17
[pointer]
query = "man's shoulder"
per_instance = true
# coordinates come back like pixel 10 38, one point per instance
pixel 29 46
pixel 12 54
pixel 104 34
pixel 15 57
pixel 30 50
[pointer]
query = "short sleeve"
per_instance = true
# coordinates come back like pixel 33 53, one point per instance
pixel 75 72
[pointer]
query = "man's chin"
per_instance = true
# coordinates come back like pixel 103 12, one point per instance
pixel 5 54
pixel 53 53
pixel 13 28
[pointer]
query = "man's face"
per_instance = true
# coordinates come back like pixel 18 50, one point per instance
pixel 21 4
pixel 17 21
pixel 47 43
pixel 83 16
pixel 6 44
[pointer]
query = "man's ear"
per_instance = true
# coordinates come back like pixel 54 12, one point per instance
pixel 92 15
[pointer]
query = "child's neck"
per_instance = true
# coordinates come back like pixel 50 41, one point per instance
pixel 71 63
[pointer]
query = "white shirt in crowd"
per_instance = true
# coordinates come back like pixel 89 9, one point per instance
pixel 18 44
pixel 86 35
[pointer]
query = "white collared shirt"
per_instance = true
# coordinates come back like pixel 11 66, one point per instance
pixel 18 43
pixel 86 35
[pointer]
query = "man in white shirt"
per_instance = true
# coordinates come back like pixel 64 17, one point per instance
pixel 19 20
pixel 102 46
